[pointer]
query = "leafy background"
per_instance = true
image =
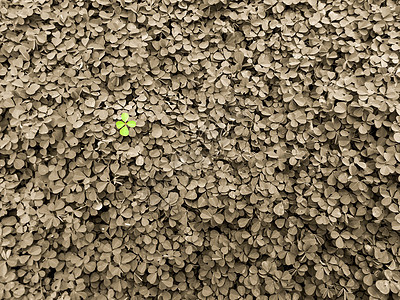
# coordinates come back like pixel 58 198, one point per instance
pixel 264 163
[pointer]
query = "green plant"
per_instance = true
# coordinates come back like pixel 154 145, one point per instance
pixel 123 125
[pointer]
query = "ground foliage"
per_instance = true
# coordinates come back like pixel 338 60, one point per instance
pixel 264 163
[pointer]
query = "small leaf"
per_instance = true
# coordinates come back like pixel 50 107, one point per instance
pixel 219 218
pixel 120 124
pixel 218 56
pixel 290 258
pixel 90 266
pixel 131 123
pixel 340 243
pixel 35 250
pixel 100 186
pixel 102 265
pixel 301 101
pixel 376 212
pixel 319 274
pixel 279 209
pixel 207 291
pixel 3 269
pixel 238 56
pixel 154 199
pixel 396 137
pixel 124 117
pixel 97 205
pixel 205 215
pixel 310 289
pixel 127 257
pixel 242 222
pixel 386 170
pixel 9 221
pixel 368 279
pixel 383 286
pixel 225 80
pixel 19 292
pixel 59 204
pixel 124 131
pixel 340 108
pixel 152 278
pixel 157 131
pixel 32 89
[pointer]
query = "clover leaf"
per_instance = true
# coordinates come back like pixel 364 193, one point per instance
pixel 123 125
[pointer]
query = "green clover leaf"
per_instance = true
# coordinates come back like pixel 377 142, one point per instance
pixel 120 124
pixel 124 131
pixel 124 117
pixel 123 125
pixel 131 123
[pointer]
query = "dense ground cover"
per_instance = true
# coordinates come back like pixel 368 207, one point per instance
pixel 264 163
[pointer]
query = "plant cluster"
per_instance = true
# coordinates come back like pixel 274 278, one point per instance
pixel 264 162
